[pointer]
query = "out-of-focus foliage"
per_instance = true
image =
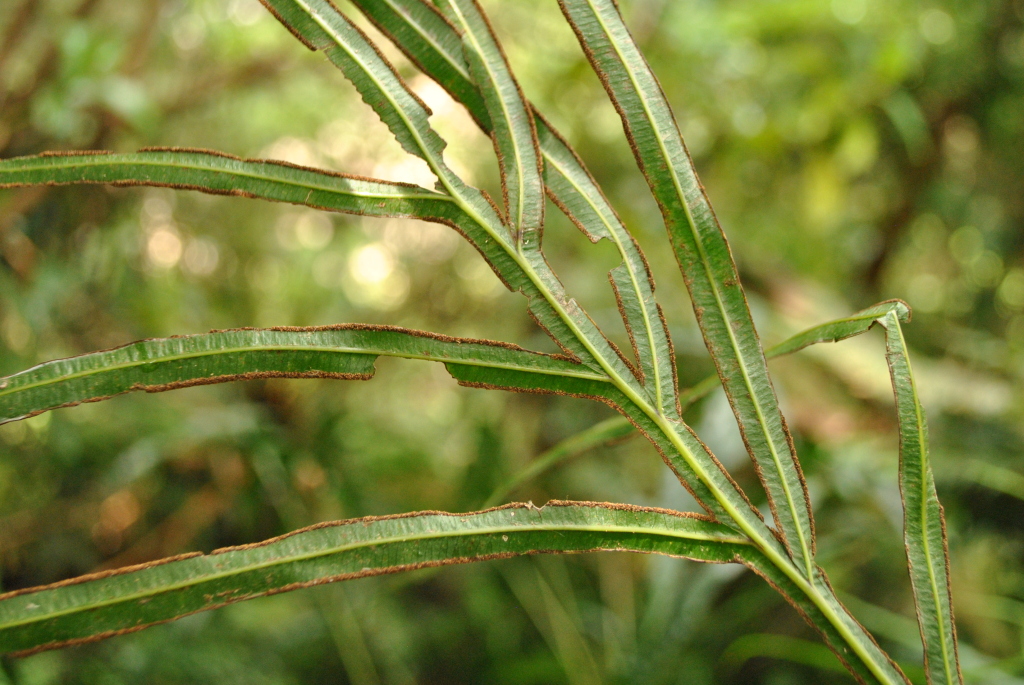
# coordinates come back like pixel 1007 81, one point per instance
pixel 855 151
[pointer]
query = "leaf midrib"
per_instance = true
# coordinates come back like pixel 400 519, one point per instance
pixel 431 535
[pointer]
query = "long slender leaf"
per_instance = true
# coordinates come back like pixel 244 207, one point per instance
pixel 104 605
pixel 344 351
pixel 221 174
pixel 924 526
pixel 617 428
pixel 840 329
pixel 107 604
pixel 430 42
pixel 704 256
pixel 515 139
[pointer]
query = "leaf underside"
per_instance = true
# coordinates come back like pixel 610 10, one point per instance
pixel 125 600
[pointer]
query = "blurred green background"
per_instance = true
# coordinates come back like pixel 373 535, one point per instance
pixel 855 150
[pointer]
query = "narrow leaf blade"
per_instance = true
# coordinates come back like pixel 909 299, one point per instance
pixel 515 139
pixel 840 329
pixel 126 600
pixel 924 525
pixel 706 261
pixel 221 174
pixel 343 352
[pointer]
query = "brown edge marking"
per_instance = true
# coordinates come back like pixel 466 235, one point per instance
pixel 67 153
pixel 347 576
pixel 291 29
pixel 672 361
pixel 949 589
pixel 715 349
pixel 191 150
pixel 638 369
pixel 803 486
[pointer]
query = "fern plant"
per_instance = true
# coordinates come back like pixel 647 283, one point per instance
pixel 452 42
